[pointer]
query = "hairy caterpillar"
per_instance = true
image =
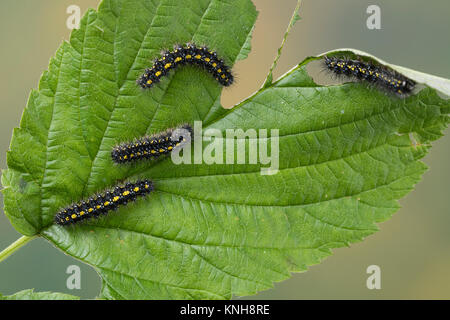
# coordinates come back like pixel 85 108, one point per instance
pixel 379 75
pixel 151 147
pixel 101 204
pixel 189 54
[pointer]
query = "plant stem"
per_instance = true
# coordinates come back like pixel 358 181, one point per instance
pixel 14 246
pixel 268 80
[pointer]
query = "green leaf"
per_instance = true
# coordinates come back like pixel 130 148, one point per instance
pixel 296 18
pixel 347 154
pixel 31 295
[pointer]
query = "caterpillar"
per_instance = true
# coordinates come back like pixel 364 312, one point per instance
pixel 101 204
pixel 151 147
pixel 189 54
pixel 379 75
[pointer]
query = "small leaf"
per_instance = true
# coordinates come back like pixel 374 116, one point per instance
pixel 31 295
pixel 296 18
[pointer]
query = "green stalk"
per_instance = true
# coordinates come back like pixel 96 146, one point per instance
pixel 15 246
pixel 294 19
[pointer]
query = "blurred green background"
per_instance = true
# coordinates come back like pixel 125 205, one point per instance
pixel 412 248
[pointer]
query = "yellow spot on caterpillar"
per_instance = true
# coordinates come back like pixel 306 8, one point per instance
pixel 67 219
pixel 125 157
pixel 116 198
pixel 198 57
pixel 161 150
pixel 207 59
pixel 149 81
pixel 106 203
pixel 178 59
pixel 147 186
pixel 98 207
pixel 214 64
pixel 82 213
pixel 73 216
pixel 136 189
pixel 188 56
pixel 168 65
pixel 126 193
pixel 90 210
pixel 132 155
pixel 169 148
pixel 219 70
pixel 153 151
pixel 223 76
pixel 158 73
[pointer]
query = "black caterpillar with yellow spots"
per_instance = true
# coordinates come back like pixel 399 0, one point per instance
pixel 151 147
pixel 378 75
pixel 189 54
pixel 101 204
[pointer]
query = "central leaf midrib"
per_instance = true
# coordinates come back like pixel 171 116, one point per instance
pixel 206 245
pixel 285 205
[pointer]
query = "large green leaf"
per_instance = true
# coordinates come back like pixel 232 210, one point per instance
pixel 347 154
